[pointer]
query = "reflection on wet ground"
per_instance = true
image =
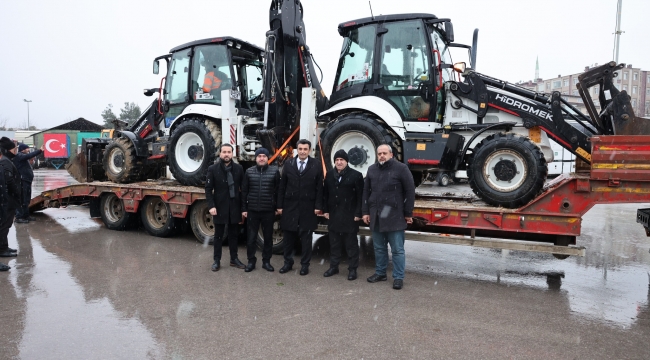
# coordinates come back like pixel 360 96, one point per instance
pixel 80 291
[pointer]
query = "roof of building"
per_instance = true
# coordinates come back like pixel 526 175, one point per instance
pixel 80 124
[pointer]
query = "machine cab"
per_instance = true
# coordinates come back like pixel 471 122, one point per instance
pixel 403 59
pixel 198 71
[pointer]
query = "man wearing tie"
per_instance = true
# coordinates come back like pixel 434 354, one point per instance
pixel 300 200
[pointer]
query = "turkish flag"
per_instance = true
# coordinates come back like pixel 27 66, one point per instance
pixel 56 145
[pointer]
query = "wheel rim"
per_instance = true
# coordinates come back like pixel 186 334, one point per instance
pixel 204 222
pixel 189 152
pixel 114 209
pixel 116 161
pixel 360 149
pixel 157 213
pixel 505 170
pixel 277 233
pixel 444 180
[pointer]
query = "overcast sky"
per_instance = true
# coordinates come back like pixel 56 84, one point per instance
pixel 72 58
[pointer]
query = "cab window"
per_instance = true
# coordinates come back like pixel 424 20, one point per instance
pixel 177 77
pixel 355 61
pixel 211 73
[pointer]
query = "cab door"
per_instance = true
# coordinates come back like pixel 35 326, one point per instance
pixel 405 70
pixel 177 96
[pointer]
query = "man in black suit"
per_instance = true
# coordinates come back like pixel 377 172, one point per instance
pixel 223 193
pixel 300 200
pixel 342 196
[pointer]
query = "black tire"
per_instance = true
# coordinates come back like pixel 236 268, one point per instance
pixel 201 222
pixel 358 134
pixel 157 217
pixel 120 163
pixel 112 212
pixel 443 179
pixel 501 159
pixel 193 146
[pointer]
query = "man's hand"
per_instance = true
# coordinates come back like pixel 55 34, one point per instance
pixel 279 212
pixel 213 211
pixel 42 147
pixel 366 219
pixel 244 214
pixel 409 220
pixel 327 216
pixel 357 218
pixel 318 212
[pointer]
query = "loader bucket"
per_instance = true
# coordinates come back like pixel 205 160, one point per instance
pixel 87 166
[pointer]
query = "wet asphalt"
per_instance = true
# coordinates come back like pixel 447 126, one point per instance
pixel 80 291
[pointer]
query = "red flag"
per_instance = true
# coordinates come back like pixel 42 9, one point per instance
pixel 56 145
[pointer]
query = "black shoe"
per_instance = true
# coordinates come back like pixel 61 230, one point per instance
pixel 304 270
pixel 286 268
pixel 216 266
pixel 12 250
pixel 267 266
pixel 4 267
pixel 331 271
pixel 250 267
pixel 30 218
pixel 22 221
pixel 238 264
pixel 374 278
pixel 8 253
pixel 398 284
pixel 352 275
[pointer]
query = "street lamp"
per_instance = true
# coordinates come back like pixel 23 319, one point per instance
pixel 27 101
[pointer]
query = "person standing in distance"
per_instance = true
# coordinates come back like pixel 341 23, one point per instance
pixel 388 201
pixel 342 197
pixel 21 161
pixel 223 193
pixel 259 193
pixel 300 200
pixel 12 184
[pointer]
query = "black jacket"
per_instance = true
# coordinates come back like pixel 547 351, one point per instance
pixel 300 195
pixel 24 167
pixel 260 188
pixel 12 181
pixel 217 192
pixel 342 200
pixel 388 195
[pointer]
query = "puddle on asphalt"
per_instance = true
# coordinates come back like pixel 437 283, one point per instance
pixel 57 312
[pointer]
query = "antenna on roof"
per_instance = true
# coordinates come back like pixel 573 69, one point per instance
pixel 371 14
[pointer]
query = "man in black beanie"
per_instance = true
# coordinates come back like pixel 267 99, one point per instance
pixel 342 196
pixel 21 161
pixel 259 193
pixel 12 190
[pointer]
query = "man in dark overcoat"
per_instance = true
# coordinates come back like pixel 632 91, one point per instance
pixel 223 193
pixel 12 190
pixel 342 197
pixel 300 200
pixel 21 161
pixel 388 201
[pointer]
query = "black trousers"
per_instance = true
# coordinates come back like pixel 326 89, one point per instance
pixel 255 219
pixel 23 211
pixel 4 230
pixel 351 243
pixel 305 238
pixel 233 236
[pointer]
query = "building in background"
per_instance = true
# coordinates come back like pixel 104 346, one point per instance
pixel 634 81
pixel 75 131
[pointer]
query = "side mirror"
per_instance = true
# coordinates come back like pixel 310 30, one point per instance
pixel 449 31
pixel 156 67
pixel 149 92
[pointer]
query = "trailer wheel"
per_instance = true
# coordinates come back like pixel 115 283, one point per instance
pixel 113 214
pixel 443 179
pixel 201 222
pixel 358 134
pixel 120 162
pixel 506 170
pixel 157 217
pixel 193 147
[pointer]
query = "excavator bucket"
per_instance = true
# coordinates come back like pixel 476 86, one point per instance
pixel 87 166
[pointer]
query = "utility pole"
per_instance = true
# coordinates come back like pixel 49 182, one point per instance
pixel 27 101
pixel 618 32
